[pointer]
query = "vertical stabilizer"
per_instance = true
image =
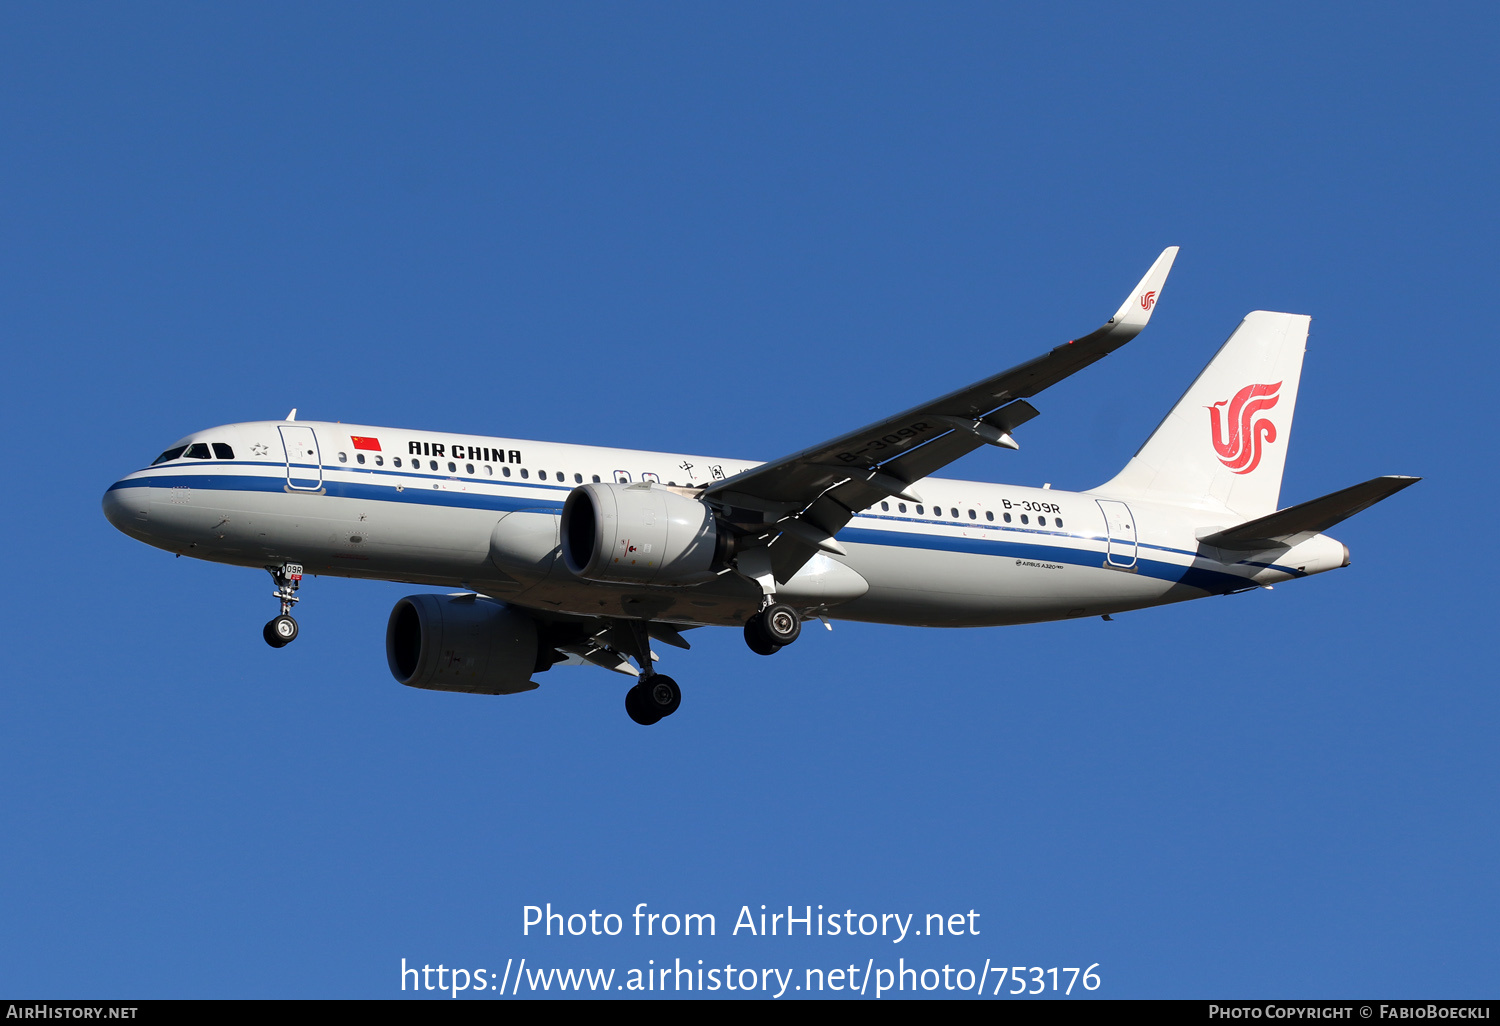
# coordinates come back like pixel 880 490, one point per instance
pixel 1223 446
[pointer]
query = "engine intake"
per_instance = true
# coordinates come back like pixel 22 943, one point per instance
pixel 461 643
pixel 640 534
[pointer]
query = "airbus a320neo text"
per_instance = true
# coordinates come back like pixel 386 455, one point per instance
pixel 589 554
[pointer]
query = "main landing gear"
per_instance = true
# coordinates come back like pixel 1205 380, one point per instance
pixel 657 696
pixel 654 698
pixel 772 629
pixel 282 630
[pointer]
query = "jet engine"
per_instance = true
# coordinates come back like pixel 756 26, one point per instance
pixel 642 534
pixel 461 643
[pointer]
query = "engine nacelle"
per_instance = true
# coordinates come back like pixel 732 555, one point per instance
pixel 461 643
pixel 640 534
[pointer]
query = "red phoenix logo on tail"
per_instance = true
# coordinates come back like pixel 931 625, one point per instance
pixel 1241 451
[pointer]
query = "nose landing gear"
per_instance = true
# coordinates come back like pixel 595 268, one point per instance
pixel 282 630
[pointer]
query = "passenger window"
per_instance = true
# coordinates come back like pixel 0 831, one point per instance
pixel 359 457
pixel 395 461
pixel 452 467
pixel 901 507
pixel 525 473
pixel 343 457
pixel 1057 522
pixel 886 506
pixel 1025 519
pixel 953 514
pixel 541 475
pixel 1042 521
pixel 380 461
pixel 596 479
pixel 489 471
pixel 505 471
pixel 920 511
pixel 989 515
pixel 972 516
pixel 223 451
pixel 199 451
pixel 578 479
pixel 432 464
pixel 469 468
pixel 1007 518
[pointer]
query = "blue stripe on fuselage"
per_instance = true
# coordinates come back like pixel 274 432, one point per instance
pixel 1211 581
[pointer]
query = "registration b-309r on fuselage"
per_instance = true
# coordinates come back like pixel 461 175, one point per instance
pixel 587 554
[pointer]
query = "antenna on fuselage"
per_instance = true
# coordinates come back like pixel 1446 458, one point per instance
pixel 293 414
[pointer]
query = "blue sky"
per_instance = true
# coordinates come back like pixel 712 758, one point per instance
pixel 741 230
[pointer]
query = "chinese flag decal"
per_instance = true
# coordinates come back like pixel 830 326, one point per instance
pixel 370 444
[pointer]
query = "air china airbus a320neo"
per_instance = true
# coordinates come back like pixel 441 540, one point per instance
pixel 583 554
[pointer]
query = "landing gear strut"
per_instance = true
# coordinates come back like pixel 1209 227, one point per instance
pixel 772 629
pixel 282 630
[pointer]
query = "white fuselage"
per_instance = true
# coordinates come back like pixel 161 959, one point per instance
pixel 480 513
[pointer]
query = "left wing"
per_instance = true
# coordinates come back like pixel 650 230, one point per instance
pixel 803 500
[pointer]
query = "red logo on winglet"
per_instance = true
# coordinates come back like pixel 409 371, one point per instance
pixel 1241 451
pixel 1148 300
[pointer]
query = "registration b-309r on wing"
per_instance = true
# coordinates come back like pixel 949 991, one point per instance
pixel 585 554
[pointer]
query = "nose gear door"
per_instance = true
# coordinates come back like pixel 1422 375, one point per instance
pixel 304 467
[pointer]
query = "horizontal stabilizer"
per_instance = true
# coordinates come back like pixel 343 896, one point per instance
pixel 1312 517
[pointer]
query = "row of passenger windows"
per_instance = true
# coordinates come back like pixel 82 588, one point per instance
pixel 483 470
pixel 486 470
pixel 937 511
pixel 196 451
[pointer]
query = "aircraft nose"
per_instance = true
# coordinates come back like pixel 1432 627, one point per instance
pixel 127 504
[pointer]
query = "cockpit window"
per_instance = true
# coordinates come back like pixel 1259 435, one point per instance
pixel 223 451
pixel 171 454
pixel 198 451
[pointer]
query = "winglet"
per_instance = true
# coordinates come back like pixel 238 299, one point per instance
pixel 1136 310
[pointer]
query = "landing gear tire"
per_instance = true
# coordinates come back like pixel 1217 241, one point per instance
pixel 280 632
pixel 653 699
pixel 755 637
pixel 635 707
pixel 663 696
pixel 780 624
